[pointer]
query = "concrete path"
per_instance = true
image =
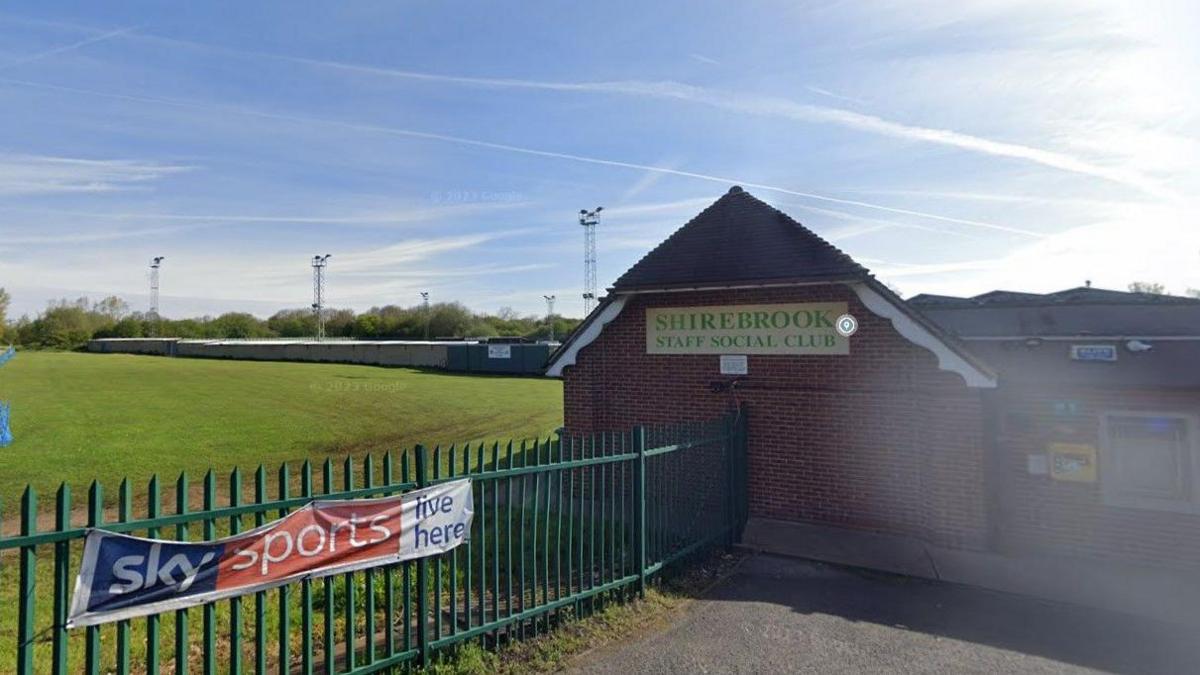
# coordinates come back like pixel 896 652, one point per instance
pixel 783 615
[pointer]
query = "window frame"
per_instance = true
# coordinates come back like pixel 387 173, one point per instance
pixel 1114 496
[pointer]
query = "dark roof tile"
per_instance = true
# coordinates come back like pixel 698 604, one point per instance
pixel 739 239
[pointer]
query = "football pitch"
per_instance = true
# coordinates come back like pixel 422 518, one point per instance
pixel 79 417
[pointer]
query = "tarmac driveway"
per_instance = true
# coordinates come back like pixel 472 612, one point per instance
pixel 776 615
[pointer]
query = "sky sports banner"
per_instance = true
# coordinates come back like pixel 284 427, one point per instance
pixel 123 576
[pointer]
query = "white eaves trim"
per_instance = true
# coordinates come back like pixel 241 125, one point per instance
pixel 912 331
pixel 589 335
pixel 917 334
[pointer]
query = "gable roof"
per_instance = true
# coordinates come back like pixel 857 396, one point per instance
pixel 739 239
pixel 742 241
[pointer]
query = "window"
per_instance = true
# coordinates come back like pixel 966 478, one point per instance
pixel 1150 461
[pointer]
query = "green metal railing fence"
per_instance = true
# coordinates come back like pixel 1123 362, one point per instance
pixel 561 527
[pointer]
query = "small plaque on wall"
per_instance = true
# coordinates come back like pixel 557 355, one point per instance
pixel 1075 462
pixel 1037 465
pixel 735 364
pixel 1104 353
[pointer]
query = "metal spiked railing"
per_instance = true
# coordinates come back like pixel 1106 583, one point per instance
pixel 562 527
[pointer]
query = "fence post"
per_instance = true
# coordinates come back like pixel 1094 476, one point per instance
pixel 741 455
pixel 422 571
pixel 731 509
pixel 25 600
pixel 639 497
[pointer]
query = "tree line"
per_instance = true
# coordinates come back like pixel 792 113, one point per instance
pixel 69 324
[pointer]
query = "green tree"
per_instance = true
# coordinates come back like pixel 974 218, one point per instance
pixel 64 325
pixel 239 325
pixel 367 326
pixel 449 319
pixel 339 323
pixel 5 299
pixel 112 307
pixel 1147 287
pixel 293 323
pixel 129 327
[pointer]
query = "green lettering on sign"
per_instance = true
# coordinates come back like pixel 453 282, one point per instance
pixel 796 329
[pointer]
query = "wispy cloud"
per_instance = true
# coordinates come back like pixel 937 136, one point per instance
pixel 391 216
pixel 390 260
pixel 410 251
pixel 864 225
pixel 892 269
pixel 66 48
pixel 86 237
pixel 37 174
pixel 647 181
pixel 419 274
pixel 770 106
pixel 767 106
pixel 704 59
pixel 962 195
pixel 830 94
pixel 678 205
pixel 461 140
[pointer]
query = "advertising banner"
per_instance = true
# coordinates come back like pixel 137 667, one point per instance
pixel 122 576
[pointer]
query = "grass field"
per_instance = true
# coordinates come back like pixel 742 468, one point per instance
pixel 79 417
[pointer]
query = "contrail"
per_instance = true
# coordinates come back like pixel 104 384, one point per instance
pixel 66 48
pixel 460 140
pixel 767 106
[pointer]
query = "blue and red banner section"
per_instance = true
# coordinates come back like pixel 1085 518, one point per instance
pixel 122 576
pixel 5 435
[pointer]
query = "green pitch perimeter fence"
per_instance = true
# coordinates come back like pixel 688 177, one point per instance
pixel 561 527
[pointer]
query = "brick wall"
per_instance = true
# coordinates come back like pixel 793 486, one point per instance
pixel 1038 513
pixel 878 440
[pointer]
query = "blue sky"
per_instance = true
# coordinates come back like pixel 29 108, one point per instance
pixel 950 147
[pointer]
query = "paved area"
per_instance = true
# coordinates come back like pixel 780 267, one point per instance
pixel 782 615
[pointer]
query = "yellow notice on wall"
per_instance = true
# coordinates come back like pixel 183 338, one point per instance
pixel 1072 462
pixel 805 328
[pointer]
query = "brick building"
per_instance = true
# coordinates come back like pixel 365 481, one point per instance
pixel 914 444
pixel 1096 427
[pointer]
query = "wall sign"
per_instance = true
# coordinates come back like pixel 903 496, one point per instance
pixel 735 364
pixel 1094 352
pixel 802 328
pixel 499 351
pixel 1037 465
pixel 1072 462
